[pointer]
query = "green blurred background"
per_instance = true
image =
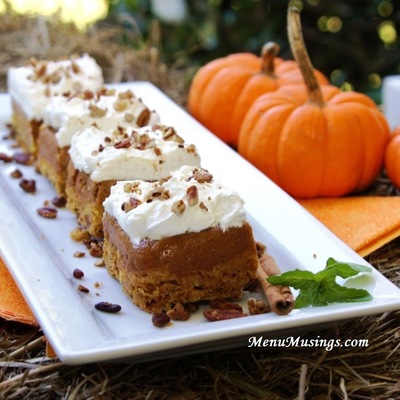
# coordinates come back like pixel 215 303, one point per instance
pixel 354 42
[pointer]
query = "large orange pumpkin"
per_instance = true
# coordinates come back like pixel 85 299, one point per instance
pixel 222 91
pixel 392 157
pixel 327 143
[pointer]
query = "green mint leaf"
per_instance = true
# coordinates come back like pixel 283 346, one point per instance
pixel 345 270
pixel 335 293
pixel 321 288
pixel 298 279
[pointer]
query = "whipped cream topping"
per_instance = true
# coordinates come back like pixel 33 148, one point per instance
pixel 190 200
pixel 107 108
pixel 33 85
pixel 123 153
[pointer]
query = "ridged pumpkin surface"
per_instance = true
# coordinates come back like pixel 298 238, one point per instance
pixel 312 151
pixel 222 91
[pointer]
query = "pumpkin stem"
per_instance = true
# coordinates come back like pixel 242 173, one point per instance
pixel 268 53
pixel 302 58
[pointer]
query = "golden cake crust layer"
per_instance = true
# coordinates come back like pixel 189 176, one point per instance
pixel 26 130
pixel 85 198
pixel 52 160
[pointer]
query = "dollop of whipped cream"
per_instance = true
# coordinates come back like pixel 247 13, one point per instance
pixel 106 108
pixel 33 84
pixel 189 200
pixel 123 153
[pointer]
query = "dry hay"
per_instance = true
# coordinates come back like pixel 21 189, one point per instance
pixel 23 38
pixel 266 373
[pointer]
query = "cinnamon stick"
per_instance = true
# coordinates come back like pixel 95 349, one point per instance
pixel 280 298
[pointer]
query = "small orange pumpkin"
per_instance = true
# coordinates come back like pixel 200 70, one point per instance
pixel 222 91
pixel 328 143
pixel 392 157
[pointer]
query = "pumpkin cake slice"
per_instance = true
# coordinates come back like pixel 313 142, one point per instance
pixel 32 86
pixel 182 239
pixel 99 158
pixel 66 115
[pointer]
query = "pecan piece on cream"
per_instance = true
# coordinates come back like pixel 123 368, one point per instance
pixel 144 117
pixel 202 176
pixel 96 112
pixel 130 204
pixel 124 144
pixel 193 195
pixel 120 105
pixel 178 207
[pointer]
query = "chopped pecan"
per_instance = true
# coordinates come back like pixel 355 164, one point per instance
pixel 83 289
pixel 75 67
pixel 23 158
pixel 168 132
pixel 96 112
pixel 5 158
pixel 130 204
pixel 16 174
pixel 191 148
pixel 78 273
pixel 59 201
pixel 47 212
pixel 225 305
pixel 120 105
pixel 217 314
pixel 129 117
pixel 178 207
pixel 203 206
pixel 96 249
pixel 179 312
pixel 128 94
pixel 124 144
pixel 160 320
pixel 202 176
pixel 28 185
pixel 144 117
pixel 193 195
pixel 256 307
pixel 105 306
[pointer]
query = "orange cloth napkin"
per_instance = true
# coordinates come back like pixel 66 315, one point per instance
pixel 13 307
pixel 364 223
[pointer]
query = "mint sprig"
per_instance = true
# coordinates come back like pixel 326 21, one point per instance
pixel 321 288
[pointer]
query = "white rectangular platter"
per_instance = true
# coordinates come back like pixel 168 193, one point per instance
pixel 40 255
